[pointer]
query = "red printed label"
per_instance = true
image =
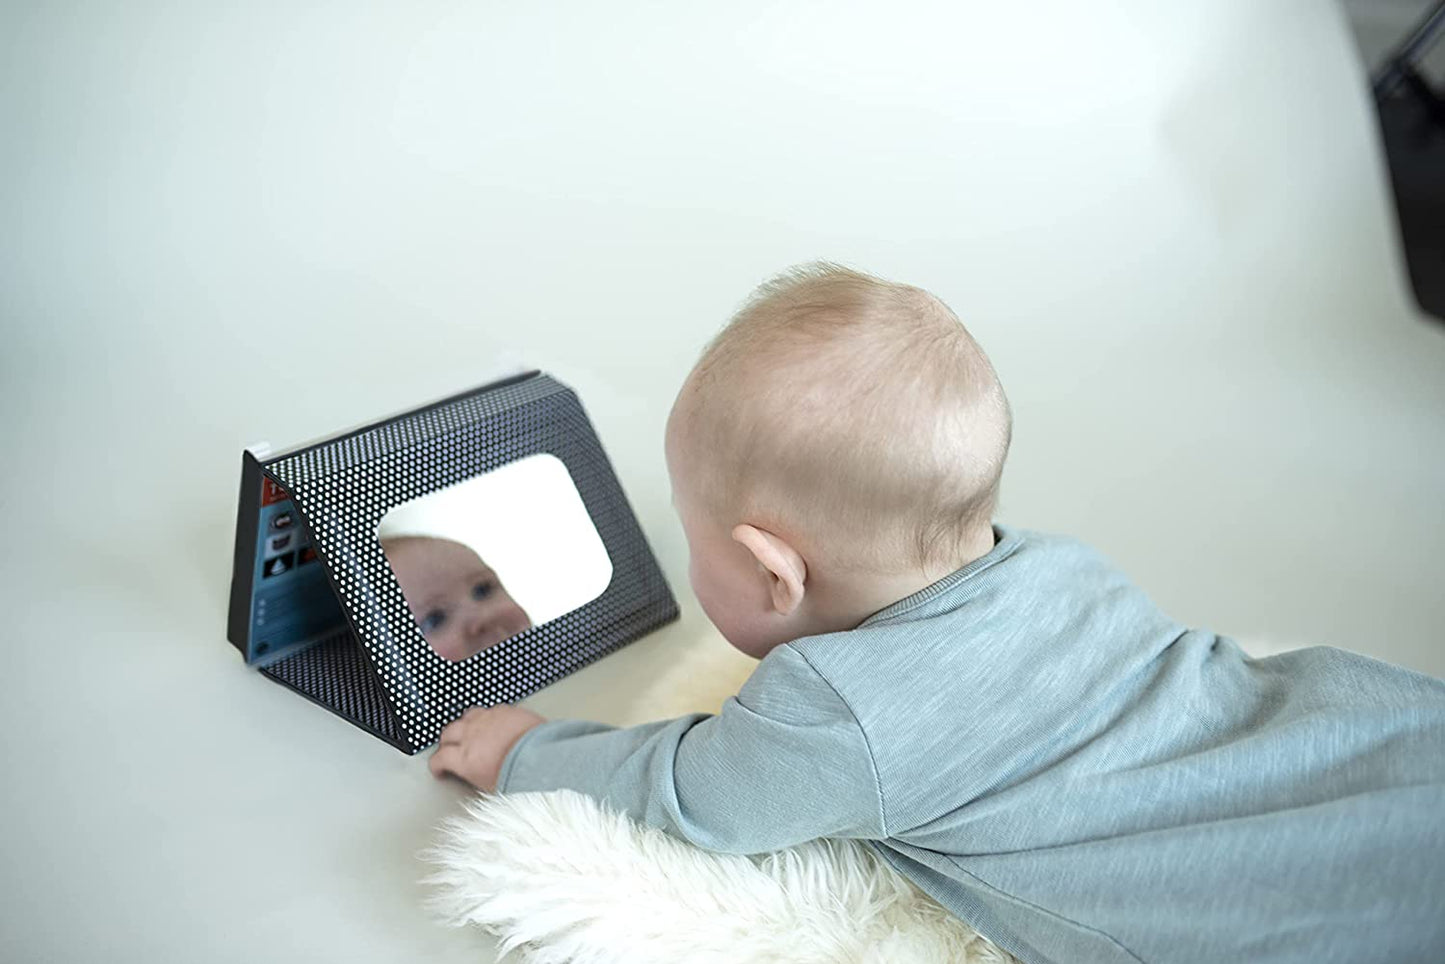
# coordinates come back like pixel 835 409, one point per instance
pixel 271 492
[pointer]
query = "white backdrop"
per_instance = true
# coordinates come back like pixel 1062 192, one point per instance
pixel 1167 222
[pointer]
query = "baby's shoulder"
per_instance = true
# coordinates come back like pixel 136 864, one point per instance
pixel 788 685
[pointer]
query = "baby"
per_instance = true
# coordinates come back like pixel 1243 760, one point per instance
pixel 459 604
pixel 1012 724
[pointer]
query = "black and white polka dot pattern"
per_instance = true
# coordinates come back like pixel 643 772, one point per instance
pixel 343 487
pixel 336 673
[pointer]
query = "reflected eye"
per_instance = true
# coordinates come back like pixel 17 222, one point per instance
pixel 483 589
pixel 432 621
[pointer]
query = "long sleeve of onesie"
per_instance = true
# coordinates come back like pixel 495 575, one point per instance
pixel 783 762
pixel 1037 746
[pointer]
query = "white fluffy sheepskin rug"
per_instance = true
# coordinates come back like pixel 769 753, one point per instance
pixel 558 880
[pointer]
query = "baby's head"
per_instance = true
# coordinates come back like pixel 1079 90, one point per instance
pixel 456 599
pixel 838 446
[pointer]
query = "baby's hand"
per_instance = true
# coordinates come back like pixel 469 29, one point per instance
pixel 474 746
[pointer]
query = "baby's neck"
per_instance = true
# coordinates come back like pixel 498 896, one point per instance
pixel 842 601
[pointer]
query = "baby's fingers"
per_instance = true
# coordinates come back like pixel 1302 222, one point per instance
pixel 447 759
pixel 451 733
pixel 456 730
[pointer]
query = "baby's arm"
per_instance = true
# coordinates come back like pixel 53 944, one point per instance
pixel 784 761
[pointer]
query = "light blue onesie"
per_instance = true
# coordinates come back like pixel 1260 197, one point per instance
pixel 1069 771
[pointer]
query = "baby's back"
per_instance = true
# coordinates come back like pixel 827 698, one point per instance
pixel 1083 779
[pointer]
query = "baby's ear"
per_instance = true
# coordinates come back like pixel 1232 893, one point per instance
pixel 784 567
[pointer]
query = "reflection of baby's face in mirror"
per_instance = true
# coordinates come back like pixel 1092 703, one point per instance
pixel 456 599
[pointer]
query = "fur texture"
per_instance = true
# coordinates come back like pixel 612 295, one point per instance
pixel 559 880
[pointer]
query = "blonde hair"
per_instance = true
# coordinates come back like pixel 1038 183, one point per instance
pixel 852 411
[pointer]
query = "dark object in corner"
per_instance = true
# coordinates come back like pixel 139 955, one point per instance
pixel 1412 124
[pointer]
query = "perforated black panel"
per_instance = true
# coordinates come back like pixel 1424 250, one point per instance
pixel 343 488
pixel 336 673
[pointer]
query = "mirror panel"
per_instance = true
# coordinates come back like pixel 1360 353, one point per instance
pixel 488 558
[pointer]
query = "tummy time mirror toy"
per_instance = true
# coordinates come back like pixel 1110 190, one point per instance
pixel 465 553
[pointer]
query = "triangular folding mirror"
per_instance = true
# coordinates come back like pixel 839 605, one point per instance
pixel 465 553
